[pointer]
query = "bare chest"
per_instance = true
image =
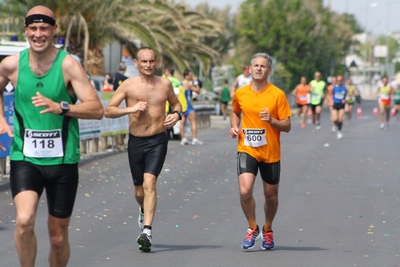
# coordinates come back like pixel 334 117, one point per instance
pixel 151 95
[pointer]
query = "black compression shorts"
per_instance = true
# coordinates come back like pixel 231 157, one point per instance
pixel 301 105
pixel 146 155
pixel 60 182
pixel 270 172
pixel 314 107
pixel 338 106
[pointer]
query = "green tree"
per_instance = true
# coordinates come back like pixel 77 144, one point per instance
pixel 303 35
pixel 169 28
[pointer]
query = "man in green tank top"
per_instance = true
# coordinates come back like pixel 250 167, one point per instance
pixel 45 146
pixel 318 88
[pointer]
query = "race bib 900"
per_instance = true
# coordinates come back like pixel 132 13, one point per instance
pixel 254 137
pixel 43 143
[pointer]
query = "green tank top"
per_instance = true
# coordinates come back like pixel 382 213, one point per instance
pixel 43 139
pixel 396 97
pixel 225 95
pixel 317 92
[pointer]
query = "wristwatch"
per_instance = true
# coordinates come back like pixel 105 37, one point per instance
pixel 179 114
pixel 64 107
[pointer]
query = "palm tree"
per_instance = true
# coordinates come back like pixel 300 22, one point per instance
pixel 172 31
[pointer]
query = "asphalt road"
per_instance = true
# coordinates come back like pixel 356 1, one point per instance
pixel 339 204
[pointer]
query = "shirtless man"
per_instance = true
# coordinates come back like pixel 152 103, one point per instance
pixel 45 148
pixel 145 97
pixel 329 101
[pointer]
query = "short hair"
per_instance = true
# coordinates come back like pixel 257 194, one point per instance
pixel 263 55
pixel 171 70
pixel 146 48
pixel 122 66
pixel 186 72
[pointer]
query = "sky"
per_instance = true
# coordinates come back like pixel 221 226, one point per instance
pixel 378 16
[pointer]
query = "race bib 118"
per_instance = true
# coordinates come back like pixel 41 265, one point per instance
pixel 43 143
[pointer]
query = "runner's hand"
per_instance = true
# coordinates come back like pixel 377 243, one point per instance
pixel 234 132
pixel 171 120
pixel 140 106
pixel 49 105
pixel 265 115
pixel 5 128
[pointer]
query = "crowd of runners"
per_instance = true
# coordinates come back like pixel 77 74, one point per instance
pixel 341 96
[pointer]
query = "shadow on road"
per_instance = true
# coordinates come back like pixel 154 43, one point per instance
pixel 290 249
pixel 164 248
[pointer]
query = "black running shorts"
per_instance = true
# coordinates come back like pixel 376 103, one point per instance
pixel 60 182
pixel 338 106
pixel 146 155
pixel 270 172
pixel 314 107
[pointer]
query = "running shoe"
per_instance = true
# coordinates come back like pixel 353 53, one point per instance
pixel 184 141
pixel 303 125
pixel 140 219
pixel 196 141
pixel 251 237
pixel 144 240
pixel 339 135
pixel 318 127
pixel 334 129
pixel 268 240
pixel 382 126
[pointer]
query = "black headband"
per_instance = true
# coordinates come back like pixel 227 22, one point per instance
pixel 38 18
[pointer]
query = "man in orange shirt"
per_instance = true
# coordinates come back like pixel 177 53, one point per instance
pixel 300 92
pixel 260 111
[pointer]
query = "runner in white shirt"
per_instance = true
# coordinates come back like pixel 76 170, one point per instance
pixel 241 80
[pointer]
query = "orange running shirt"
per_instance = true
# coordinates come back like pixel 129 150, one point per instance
pixel 301 94
pixel 329 97
pixel 256 137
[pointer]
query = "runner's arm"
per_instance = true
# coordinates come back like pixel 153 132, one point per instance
pixel 233 87
pixel 114 111
pixel 281 125
pixel 235 122
pixel 75 76
pixel 8 67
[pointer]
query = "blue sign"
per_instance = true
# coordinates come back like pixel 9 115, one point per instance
pixel 5 140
